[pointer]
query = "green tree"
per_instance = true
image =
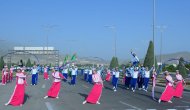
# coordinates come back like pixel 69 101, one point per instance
pixel 149 58
pixel 171 68
pixel 28 63
pixel 181 67
pixel 114 63
pixel 1 63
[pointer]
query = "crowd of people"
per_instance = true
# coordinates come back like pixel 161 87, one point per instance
pixel 133 78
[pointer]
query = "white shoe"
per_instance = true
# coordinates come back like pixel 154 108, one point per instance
pixel 169 101
pixel 20 105
pixel 113 87
pixel 159 101
pixel 127 88
pixel 115 90
pixel 57 97
pixel 45 97
pixel 97 102
pixel 145 90
pixel 133 90
pixel 6 104
pixel 84 102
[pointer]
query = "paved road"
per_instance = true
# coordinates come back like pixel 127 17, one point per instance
pixel 71 98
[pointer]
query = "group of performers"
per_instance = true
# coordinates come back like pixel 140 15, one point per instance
pixel 132 76
pixel 171 90
pixel 7 75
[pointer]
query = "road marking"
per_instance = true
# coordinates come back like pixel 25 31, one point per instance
pixel 187 92
pixel 49 106
pixel 150 109
pixel 186 102
pixel 136 108
pixel 85 86
pixel 171 109
pixel 43 86
pixel 182 106
pixel 129 109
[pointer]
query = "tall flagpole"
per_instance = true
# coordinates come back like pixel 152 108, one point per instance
pixel 153 44
pixel 154 29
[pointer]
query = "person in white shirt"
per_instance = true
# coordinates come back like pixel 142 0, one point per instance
pixel 86 71
pixel 135 59
pixel 90 76
pixel 113 76
pixel 134 79
pixel 34 77
pixel 65 73
pixel 73 75
pixel 116 79
pixel 146 78
pixel 127 78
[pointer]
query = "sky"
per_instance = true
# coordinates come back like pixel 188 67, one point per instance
pixel 82 26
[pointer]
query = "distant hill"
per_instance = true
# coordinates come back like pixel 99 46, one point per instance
pixel 166 57
pixel 5 46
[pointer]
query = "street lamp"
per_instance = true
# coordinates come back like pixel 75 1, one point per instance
pixel 113 28
pixel 161 29
pixel 48 28
pixel 154 5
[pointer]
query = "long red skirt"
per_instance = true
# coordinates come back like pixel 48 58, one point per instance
pixel 167 94
pixel 17 97
pixel 179 90
pixel 54 90
pixel 95 94
pixel 45 75
pixel 4 79
pixel 108 77
pixel 11 77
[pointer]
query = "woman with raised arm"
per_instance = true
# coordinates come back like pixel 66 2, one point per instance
pixel 53 92
pixel 95 93
pixel 179 87
pixel 17 97
pixel 168 93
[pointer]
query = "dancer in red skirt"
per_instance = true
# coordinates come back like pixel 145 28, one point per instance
pixel 168 93
pixel 46 73
pixel 5 72
pixel 108 76
pixel 95 93
pixel 11 74
pixel 17 97
pixel 179 87
pixel 53 92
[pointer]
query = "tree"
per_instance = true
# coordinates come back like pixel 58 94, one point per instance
pixel 149 58
pixel 181 67
pixel 28 63
pixel 1 63
pixel 114 62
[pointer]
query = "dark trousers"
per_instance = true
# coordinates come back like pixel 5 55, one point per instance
pixel 73 80
pixel 90 78
pixel 34 79
pixel 140 82
pixel 127 81
pixel 146 81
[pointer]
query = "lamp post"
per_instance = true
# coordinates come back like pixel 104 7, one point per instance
pixel 48 28
pixel 113 28
pixel 154 5
pixel 161 29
